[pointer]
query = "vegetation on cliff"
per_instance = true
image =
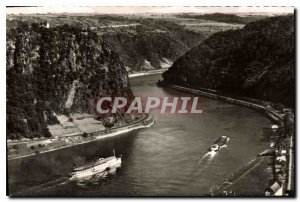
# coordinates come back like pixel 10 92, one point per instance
pixel 57 70
pixel 257 61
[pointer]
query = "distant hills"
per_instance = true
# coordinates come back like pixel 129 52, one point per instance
pixel 227 18
pixel 153 41
pixel 257 61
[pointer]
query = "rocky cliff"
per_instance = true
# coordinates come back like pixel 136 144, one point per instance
pixel 57 70
pixel 257 61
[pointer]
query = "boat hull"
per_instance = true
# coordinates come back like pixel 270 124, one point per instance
pixel 96 169
pixel 219 143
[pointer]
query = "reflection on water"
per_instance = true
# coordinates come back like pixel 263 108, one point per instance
pixel 168 159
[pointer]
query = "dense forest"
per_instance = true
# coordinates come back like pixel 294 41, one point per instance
pixel 45 64
pixel 257 61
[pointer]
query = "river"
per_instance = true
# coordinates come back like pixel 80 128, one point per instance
pixel 168 159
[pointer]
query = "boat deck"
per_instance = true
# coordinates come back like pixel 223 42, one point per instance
pixel 94 164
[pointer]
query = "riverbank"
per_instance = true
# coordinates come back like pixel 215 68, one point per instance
pixel 70 141
pixel 248 180
pixel 281 142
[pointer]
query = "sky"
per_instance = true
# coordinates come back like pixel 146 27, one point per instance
pixel 141 10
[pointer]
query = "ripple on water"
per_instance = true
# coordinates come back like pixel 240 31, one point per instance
pixel 169 158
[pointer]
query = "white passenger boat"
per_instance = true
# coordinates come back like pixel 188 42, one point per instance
pixel 101 165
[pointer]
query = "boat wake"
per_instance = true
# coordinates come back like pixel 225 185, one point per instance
pixel 82 182
pixel 207 158
pixel 205 161
pixel 43 187
pixel 95 179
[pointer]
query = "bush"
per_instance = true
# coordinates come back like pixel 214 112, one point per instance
pixel 85 135
pixel 52 120
pixel 46 133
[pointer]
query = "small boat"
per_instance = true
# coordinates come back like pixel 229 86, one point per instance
pixel 101 165
pixel 219 143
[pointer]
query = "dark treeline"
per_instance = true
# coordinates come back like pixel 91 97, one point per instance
pixel 257 61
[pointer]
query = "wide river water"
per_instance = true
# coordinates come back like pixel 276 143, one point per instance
pixel 168 159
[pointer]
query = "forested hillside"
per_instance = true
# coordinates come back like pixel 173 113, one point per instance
pixel 257 61
pixel 153 41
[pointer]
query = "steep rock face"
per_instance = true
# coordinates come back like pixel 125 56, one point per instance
pixel 62 70
pixel 256 61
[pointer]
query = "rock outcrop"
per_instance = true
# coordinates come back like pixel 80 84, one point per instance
pixel 63 69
